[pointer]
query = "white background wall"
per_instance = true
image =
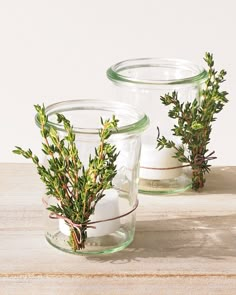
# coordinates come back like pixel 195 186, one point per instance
pixel 52 50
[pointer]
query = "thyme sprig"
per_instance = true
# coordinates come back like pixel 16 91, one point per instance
pixel 77 189
pixel 194 123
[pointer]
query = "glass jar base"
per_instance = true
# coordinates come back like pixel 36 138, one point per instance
pixel 114 242
pixel 165 186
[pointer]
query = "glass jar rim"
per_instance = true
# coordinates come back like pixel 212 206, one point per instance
pixel 101 105
pixel 115 75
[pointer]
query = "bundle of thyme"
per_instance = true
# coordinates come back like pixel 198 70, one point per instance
pixel 194 124
pixel 77 189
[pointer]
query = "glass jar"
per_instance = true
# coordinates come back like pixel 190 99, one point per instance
pixel 141 82
pixel 114 216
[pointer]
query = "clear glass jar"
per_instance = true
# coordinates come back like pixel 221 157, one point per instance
pixel 141 82
pixel 119 202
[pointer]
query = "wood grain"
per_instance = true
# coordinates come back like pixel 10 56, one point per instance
pixel 184 244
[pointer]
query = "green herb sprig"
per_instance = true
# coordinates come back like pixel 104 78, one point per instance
pixel 77 189
pixel 194 123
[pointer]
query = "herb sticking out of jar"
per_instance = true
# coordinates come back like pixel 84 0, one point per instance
pixel 194 124
pixel 77 189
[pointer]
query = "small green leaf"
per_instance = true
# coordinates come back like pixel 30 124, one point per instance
pixel 196 126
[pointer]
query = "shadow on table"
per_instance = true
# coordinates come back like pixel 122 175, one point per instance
pixel 221 180
pixel 211 237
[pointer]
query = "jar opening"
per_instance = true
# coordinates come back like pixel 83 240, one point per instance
pixel 85 116
pixel 156 71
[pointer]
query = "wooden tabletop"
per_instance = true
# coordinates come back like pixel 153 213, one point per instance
pixel 184 244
